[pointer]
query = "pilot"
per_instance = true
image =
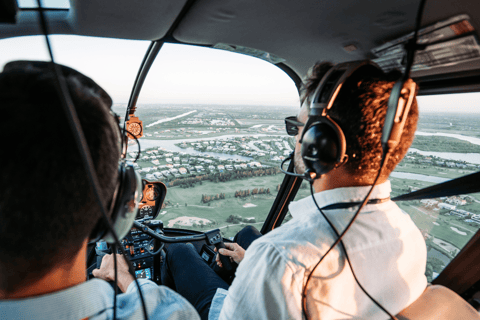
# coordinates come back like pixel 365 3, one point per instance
pixel 47 207
pixel 386 249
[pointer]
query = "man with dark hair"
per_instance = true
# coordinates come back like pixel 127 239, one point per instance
pixel 386 249
pixel 47 207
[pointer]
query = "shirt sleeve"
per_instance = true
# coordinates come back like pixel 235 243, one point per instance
pixel 264 287
pixel 161 303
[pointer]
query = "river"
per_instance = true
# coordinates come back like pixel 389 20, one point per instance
pixel 170 146
pixel 468 157
pixel 416 176
pixel 473 140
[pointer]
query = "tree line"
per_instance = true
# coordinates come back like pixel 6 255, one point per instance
pixel 207 198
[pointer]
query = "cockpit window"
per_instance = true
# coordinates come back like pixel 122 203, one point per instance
pixel 446 146
pixel 49 4
pixel 112 63
pixel 214 133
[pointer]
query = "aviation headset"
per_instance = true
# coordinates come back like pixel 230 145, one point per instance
pixel 323 143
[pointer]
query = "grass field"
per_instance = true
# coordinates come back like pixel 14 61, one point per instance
pixel 219 210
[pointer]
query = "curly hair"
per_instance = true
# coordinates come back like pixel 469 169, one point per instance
pixel 360 110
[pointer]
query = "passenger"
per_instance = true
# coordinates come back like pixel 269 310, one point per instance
pixel 47 207
pixel 387 250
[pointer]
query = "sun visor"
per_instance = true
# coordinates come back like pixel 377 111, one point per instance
pixel 445 47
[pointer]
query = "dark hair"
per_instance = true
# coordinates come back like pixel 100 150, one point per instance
pixel 47 207
pixel 360 110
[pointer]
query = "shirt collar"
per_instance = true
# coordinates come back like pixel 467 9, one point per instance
pixel 339 195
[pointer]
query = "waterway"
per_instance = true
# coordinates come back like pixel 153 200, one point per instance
pixel 473 140
pixel 416 176
pixel 468 157
pixel 170 119
pixel 170 146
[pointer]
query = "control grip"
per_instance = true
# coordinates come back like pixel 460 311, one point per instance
pixel 227 264
pixel 100 254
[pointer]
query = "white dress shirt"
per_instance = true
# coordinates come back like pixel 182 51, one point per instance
pixel 93 299
pixel 386 249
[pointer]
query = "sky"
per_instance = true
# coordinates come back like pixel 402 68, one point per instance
pixel 186 74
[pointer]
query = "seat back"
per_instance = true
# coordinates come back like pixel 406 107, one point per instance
pixel 439 303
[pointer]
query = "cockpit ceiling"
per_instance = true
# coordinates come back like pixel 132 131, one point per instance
pixel 301 32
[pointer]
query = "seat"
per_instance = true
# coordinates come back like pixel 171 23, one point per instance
pixel 439 303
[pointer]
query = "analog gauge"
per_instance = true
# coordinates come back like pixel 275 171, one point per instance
pixel 151 194
pixel 146 211
pixel 135 128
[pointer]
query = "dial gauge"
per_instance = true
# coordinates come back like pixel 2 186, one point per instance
pixel 146 211
pixel 135 128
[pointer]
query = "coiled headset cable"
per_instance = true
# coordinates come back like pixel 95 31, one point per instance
pixel 80 140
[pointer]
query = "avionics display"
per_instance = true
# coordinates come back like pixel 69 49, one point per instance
pixel 143 274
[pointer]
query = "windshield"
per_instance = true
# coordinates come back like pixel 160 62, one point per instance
pixel 214 133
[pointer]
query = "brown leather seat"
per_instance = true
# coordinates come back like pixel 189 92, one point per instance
pixel 439 303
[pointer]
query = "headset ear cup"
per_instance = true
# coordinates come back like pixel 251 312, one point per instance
pixel 126 203
pixel 323 146
pixel 320 148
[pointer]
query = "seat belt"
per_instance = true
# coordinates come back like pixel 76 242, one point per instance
pixel 462 185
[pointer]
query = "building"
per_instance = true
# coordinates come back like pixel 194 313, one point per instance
pixel 460 213
pixel 446 206
pixel 429 202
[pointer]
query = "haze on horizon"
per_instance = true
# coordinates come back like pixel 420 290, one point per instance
pixel 185 74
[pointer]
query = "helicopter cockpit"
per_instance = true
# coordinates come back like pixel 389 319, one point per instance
pixel 204 93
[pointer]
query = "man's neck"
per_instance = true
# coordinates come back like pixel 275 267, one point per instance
pixel 341 178
pixel 63 276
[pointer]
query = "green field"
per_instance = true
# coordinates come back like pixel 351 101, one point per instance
pixel 218 211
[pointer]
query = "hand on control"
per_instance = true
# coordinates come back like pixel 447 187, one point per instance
pixel 107 271
pixel 233 250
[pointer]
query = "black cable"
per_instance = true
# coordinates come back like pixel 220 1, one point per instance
pixel 138 145
pixel 412 44
pixel 80 141
pixel 154 253
pixel 339 240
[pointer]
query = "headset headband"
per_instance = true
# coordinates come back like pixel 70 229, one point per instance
pixel 331 84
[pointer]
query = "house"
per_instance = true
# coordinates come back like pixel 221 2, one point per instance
pixel 182 170
pixel 446 206
pixel 221 168
pixel 460 213
pixel 429 202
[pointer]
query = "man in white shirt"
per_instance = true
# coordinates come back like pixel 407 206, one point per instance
pixel 386 249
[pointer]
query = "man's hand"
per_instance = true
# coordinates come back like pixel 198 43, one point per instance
pixel 107 271
pixel 233 250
